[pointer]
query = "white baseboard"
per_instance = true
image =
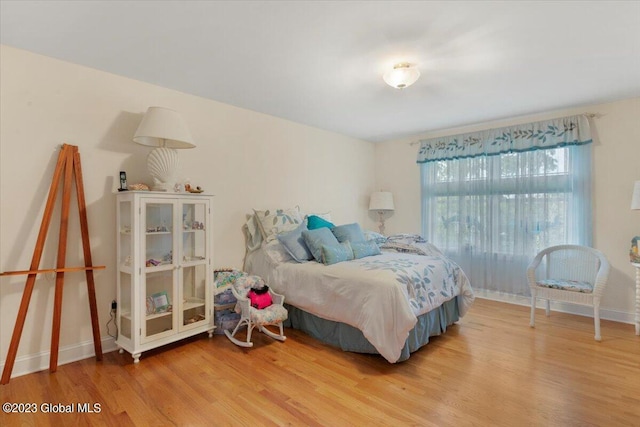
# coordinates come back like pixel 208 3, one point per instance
pixel 580 310
pixel 72 353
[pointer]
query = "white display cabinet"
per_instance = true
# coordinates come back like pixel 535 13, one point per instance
pixel 165 273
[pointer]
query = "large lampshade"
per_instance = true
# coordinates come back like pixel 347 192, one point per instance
pixel 402 75
pixel 635 199
pixel 381 201
pixel 164 129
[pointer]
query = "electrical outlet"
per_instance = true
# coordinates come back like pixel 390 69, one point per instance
pixel 114 305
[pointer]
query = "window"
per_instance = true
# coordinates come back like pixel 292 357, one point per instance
pixel 493 213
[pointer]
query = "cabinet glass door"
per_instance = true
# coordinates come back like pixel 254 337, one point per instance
pixel 193 268
pixel 159 270
pixel 193 295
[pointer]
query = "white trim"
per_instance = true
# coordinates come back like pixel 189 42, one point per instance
pixel 580 310
pixel 72 353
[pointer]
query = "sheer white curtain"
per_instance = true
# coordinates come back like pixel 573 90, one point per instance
pixel 493 213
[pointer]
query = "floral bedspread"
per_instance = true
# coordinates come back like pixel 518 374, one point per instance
pixel 428 283
pixel 381 295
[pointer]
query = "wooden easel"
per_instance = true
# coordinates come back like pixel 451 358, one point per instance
pixel 68 165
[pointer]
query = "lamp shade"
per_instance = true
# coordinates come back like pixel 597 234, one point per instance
pixel 163 127
pixel 635 199
pixel 381 201
pixel 401 76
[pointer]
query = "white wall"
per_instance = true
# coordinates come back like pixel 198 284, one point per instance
pixel 616 165
pixel 248 160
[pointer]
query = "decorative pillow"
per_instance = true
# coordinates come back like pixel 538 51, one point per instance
pixel 315 239
pixel 335 254
pixel 363 249
pixel 277 252
pixel 274 222
pixel 348 232
pixel 314 222
pixel 294 243
pixel 372 235
pixel 324 215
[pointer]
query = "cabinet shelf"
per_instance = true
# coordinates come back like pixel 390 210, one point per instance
pixel 193 262
pixel 160 267
pixel 192 303
pixel 158 315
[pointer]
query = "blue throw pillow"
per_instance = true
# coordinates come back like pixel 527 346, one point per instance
pixel 348 232
pixel 314 222
pixel 363 249
pixel 315 239
pixel 334 254
pixel 294 243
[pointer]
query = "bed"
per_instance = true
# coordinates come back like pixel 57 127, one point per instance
pixel 388 304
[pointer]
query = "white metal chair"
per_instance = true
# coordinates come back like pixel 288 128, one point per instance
pixel 251 317
pixel 569 273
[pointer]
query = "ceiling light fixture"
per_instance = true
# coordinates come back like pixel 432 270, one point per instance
pixel 402 75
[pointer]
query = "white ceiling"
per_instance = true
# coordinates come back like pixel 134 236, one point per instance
pixel 321 63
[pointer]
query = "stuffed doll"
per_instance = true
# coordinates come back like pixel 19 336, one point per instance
pixel 260 298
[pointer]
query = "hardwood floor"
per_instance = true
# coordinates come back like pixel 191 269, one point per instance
pixel 489 370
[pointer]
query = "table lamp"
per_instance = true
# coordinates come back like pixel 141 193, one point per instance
pixel 381 202
pixel 165 130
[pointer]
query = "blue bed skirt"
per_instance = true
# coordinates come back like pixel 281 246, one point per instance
pixel 348 338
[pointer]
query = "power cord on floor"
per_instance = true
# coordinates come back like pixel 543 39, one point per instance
pixel 112 315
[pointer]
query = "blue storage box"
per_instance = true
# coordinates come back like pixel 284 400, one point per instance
pixel 225 297
pixel 225 320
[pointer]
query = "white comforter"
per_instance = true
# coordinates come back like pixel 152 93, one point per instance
pixel 381 295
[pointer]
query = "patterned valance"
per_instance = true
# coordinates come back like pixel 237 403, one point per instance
pixel 546 134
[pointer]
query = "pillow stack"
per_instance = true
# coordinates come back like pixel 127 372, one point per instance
pixel 321 240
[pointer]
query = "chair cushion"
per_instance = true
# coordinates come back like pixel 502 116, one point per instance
pixel 271 315
pixel 566 285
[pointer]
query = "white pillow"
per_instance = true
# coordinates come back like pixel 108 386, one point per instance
pixel 275 221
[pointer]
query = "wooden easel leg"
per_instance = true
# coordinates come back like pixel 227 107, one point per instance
pixel 86 247
pixel 17 330
pixel 62 252
pixel 31 278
